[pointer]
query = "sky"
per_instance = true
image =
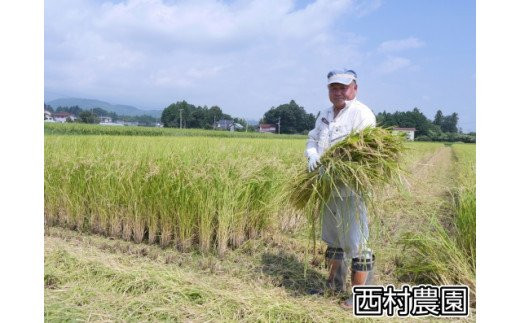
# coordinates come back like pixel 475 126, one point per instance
pixel 249 56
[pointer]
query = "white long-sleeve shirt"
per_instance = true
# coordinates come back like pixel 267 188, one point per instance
pixel 355 116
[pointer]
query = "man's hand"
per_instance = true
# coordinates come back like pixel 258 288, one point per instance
pixel 314 160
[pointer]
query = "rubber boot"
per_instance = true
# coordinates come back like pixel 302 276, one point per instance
pixel 338 273
pixel 335 262
pixel 337 269
pixel 366 264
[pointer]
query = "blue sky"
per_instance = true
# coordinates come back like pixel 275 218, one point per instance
pixel 247 56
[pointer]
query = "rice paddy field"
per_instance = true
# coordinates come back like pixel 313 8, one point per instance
pixel 194 225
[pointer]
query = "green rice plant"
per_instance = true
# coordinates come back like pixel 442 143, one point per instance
pixel 95 129
pixel 445 252
pixel 210 193
pixel 436 257
pixel 465 200
pixel 418 151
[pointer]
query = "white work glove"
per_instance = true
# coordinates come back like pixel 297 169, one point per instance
pixel 314 160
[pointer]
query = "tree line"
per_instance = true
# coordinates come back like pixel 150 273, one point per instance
pixel 442 128
pixel 93 115
pixel 185 115
pixel 292 118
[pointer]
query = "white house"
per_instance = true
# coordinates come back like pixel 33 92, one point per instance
pixel 228 125
pixel 224 124
pixel 410 132
pixel 266 127
pixel 47 116
pixel 63 116
pixel 105 120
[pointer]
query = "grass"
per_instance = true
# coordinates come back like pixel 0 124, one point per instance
pixel 92 278
pixel 94 129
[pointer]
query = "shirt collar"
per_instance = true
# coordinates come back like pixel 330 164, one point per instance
pixel 330 115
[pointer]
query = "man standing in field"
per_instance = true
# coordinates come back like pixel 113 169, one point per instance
pixel 344 219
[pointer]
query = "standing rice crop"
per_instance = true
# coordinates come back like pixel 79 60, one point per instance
pixel 212 193
pixel 97 129
pixel 445 252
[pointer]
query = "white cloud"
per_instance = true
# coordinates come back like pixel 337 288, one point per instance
pixel 392 64
pixel 366 7
pixel 240 55
pixel 400 45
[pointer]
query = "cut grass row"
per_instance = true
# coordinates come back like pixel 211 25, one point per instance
pixel 92 278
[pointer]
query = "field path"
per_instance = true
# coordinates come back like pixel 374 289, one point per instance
pixel 427 194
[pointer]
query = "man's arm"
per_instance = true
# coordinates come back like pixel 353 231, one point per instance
pixel 311 152
pixel 312 142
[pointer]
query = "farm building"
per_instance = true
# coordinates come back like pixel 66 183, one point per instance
pixel 228 125
pixel 410 132
pixel 47 116
pixel 63 116
pixel 223 124
pixel 266 127
pixel 105 120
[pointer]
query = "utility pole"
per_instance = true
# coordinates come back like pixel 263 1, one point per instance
pixel 180 121
pixel 279 118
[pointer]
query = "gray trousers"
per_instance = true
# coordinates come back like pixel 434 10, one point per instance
pixel 344 223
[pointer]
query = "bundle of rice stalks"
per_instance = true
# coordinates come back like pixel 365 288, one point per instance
pixel 364 161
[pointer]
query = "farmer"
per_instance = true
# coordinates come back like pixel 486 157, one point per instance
pixel 344 220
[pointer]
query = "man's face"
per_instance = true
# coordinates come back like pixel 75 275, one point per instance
pixel 339 93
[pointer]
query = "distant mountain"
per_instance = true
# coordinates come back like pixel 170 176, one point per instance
pixel 120 109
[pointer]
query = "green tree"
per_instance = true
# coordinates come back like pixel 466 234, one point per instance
pixel 293 118
pixel 48 107
pixel 74 110
pixel 214 114
pixel 103 113
pixel 171 116
pixel 438 119
pixel 88 117
pixel 408 119
pixel 449 123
